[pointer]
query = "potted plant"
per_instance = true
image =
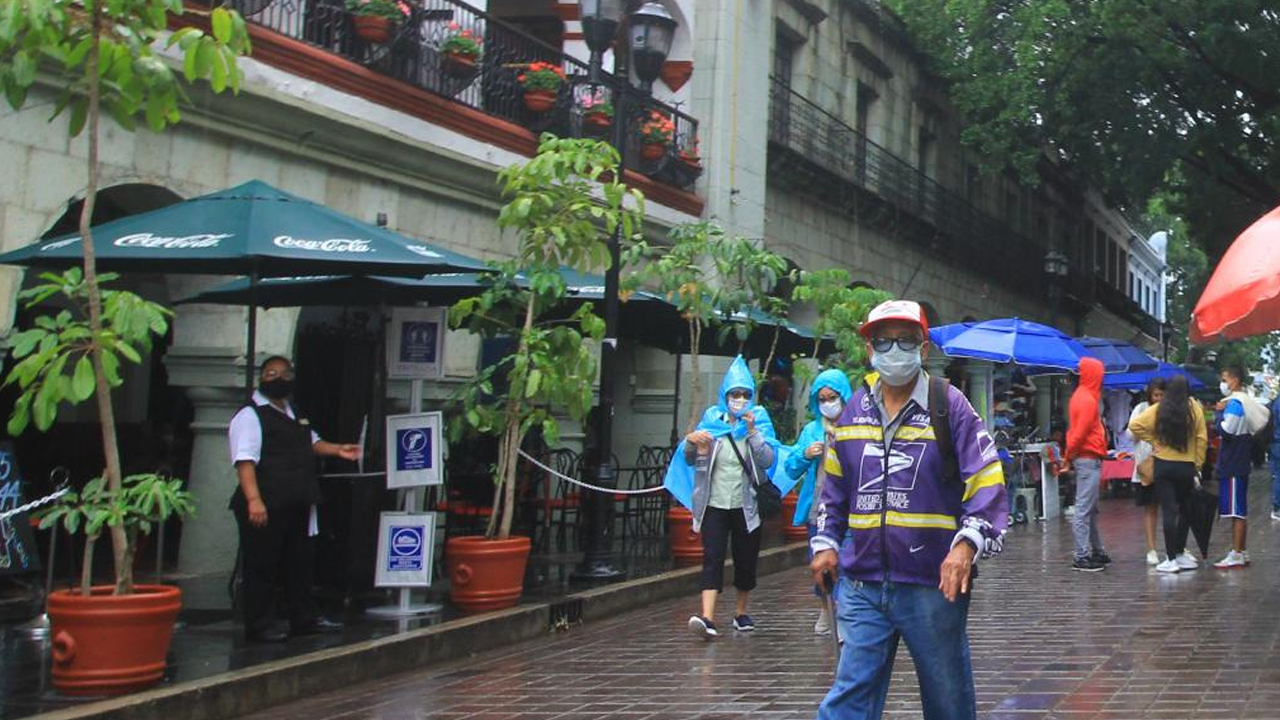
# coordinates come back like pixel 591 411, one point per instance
pixel 77 352
pixel 597 112
pixel 374 20
pixel 562 210
pixel 656 133
pixel 689 155
pixel 541 83
pixel 460 52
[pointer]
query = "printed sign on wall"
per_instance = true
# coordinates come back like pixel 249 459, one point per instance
pixel 414 449
pixel 18 550
pixel 406 545
pixel 415 343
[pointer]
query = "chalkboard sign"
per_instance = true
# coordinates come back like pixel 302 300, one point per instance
pixel 18 554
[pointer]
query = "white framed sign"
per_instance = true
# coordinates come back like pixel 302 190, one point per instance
pixel 414 449
pixel 415 343
pixel 406 546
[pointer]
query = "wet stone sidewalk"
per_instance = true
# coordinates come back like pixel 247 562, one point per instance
pixel 1047 643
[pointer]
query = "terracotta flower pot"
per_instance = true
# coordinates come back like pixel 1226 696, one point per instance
pixel 686 545
pixel 373 29
pixel 793 533
pixel 652 151
pixel 486 574
pixel 108 644
pixel 539 100
pixel 459 66
pixel 598 120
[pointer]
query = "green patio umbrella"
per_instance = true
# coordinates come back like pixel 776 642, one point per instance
pixel 252 229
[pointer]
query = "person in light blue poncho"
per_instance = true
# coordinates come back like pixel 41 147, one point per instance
pixel 713 473
pixel 827 397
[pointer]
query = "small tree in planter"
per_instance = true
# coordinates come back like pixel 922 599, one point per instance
pixel 559 223
pixel 104 55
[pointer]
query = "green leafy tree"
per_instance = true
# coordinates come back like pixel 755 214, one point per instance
pixel 1137 96
pixel 841 310
pixel 747 274
pixel 560 223
pixel 104 55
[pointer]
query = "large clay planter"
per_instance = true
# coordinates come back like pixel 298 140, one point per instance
pixel 792 532
pixel 539 100
pixel 652 152
pixel 373 29
pixel 108 644
pixel 686 545
pixel 485 574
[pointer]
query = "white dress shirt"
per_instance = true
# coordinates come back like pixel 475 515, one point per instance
pixel 245 432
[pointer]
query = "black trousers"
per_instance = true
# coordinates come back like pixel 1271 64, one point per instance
pixel 1175 486
pixel 280 552
pixel 718 526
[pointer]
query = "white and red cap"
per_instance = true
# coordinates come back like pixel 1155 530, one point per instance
pixel 904 310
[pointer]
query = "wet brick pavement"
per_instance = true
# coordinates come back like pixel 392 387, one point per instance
pixel 1047 643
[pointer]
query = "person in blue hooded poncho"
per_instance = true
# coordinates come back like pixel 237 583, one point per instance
pixel 830 391
pixel 712 473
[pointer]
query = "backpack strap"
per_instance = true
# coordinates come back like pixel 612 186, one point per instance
pixel 940 419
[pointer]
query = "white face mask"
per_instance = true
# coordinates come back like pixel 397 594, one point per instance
pixel 897 366
pixel 1225 388
pixel 737 405
pixel 830 409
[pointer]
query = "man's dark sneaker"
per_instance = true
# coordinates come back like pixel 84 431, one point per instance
pixel 1088 564
pixel 1101 556
pixel 267 635
pixel 702 627
pixel 743 623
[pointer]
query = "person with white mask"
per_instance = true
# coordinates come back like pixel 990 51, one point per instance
pixel 1239 417
pixel 827 398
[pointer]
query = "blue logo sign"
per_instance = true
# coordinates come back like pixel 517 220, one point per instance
pixel 405 548
pixel 413 449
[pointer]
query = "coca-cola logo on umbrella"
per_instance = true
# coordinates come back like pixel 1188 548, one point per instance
pixel 423 251
pixel 333 245
pixel 151 240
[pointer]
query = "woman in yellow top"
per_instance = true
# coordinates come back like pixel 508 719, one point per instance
pixel 1175 428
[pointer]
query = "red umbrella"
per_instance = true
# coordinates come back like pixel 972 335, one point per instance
pixel 1243 296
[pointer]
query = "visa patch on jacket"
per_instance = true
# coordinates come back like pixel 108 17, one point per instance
pixel 903 516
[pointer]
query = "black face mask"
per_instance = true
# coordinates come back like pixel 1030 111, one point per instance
pixel 276 389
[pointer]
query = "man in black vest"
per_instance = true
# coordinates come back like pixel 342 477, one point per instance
pixel 273 451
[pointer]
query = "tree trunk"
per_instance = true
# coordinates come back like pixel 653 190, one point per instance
pixel 695 408
pixel 106 415
pixel 509 448
pixel 86 569
pixel 773 348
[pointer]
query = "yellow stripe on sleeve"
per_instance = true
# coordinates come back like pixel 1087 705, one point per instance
pixel 831 464
pixel 988 476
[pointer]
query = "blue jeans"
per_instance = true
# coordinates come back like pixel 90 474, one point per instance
pixel 1275 476
pixel 873 616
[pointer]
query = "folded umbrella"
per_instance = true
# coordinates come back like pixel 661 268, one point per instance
pixel 1204 509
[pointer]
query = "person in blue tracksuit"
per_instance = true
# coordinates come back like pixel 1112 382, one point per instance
pixel 1239 417
pixel 830 391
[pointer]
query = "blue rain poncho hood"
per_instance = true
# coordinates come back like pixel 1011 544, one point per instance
pixel 679 478
pixel 797 465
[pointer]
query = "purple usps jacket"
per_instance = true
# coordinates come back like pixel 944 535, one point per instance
pixel 903 528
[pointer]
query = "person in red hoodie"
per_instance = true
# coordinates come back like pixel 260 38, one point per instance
pixel 1086 447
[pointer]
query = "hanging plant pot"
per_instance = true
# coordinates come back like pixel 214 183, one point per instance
pixel 597 121
pixel 373 29
pixel 686 545
pixel 459 67
pixel 652 151
pixel 539 100
pixel 108 644
pixel 486 574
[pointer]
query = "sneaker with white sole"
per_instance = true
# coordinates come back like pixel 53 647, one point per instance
pixel 823 624
pixel 743 623
pixel 1187 561
pixel 1232 560
pixel 1275 514
pixel 1153 558
pixel 1245 554
pixel 1168 566
pixel 702 627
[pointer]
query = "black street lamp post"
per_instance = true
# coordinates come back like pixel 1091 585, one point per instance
pixel 651 30
pixel 1056 269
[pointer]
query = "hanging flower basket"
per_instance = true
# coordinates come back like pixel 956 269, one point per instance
pixel 597 113
pixel 458 66
pixel 460 52
pixel 375 20
pixel 652 151
pixel 373 29
pixel 539 100
pixel 541 83
pixel 656 134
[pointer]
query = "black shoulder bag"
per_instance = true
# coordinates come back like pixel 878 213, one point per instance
pixel 768 496
pixel 940 419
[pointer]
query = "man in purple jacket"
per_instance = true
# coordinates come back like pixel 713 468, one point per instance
pixel 918 521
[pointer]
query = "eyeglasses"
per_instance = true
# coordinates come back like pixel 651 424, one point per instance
pixel 885 344
pixel 273 374
pixel 738 394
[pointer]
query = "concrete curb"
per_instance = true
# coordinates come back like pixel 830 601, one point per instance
pixel 236 693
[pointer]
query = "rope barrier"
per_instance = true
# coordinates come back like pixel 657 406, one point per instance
pixel 33 504
pixel 589 486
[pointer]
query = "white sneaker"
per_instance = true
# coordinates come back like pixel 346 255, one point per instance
pixel 1168 566
pixel 1232 560
pixel 1153 559
pixel 1070 511
pixel 1186 561
pixel 1245 554
pixel 823 625
pixel 1275 514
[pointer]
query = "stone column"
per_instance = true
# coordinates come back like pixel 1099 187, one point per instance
pixel 1044 404
pixel 980 377
pixel 209 540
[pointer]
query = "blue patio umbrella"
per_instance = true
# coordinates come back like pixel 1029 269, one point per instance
pixel 942 333
pixel 1139 379
pixel 1013 340
pixel 252 229
pixel 1118 355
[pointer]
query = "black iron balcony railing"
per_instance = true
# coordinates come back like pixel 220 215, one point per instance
pixel 412 54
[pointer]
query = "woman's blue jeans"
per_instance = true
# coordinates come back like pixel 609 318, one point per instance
pixel 873 617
